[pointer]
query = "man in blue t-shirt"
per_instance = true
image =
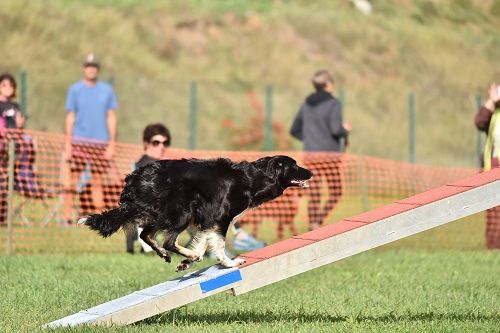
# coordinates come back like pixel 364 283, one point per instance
pixel 90 133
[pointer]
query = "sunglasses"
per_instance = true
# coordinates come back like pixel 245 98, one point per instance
pixel 156 143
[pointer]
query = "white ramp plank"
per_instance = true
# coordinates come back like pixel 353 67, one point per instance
pixel 156 299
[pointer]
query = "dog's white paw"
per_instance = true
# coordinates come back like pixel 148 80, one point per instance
pixel 239 261
pixel 83 220
pixel 233 263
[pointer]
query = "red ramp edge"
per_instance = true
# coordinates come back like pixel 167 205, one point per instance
pixel 330 230
pixel 381 213
pixel 479 179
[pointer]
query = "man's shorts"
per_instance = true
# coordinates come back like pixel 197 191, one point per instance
pixel 91 155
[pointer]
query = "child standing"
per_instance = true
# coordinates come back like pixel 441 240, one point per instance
pixel 10 117
pixel 10 114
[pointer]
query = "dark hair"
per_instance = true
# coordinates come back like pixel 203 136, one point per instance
pixel 320 79
pixel 156 129
pixel 12 80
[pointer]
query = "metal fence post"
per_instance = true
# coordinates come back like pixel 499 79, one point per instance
pixel 193 113
pixel 268 121
pixel 22 92
pixel 411 128
pixel 10 195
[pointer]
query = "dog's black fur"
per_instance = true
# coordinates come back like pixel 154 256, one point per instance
pixel 171 195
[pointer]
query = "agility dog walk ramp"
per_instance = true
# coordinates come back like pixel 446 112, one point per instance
pixel 304 252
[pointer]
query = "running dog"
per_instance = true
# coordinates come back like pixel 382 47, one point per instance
pixel 205 195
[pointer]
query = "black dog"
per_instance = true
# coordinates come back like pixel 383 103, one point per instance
pixel 206 195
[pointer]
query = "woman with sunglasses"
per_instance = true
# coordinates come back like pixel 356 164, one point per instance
pixel 156 138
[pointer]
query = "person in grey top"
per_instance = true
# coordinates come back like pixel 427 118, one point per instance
pixel 319 121
pixel 319 125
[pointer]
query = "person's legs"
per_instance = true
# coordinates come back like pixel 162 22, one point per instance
pixel 131 236
pixel 334 184
pixel 243 241
pixel 97 193
pixel 493 228
pixel 493 220
pixel 315 185
pixel 3 196
pixel 71 175
pixel 99 168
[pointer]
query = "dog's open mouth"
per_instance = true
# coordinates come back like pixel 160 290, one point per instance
pixel 300 183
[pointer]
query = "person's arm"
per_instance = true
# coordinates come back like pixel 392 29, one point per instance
pixel 336 125
pixel 483 116
pixel 20 119
pixel 111 123
pixel 297 125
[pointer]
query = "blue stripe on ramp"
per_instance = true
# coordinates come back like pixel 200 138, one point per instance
pixel 220 281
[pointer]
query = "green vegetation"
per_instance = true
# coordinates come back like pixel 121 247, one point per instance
pixel 446 52
pixel 380 291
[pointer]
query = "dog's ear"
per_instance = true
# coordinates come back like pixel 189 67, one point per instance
pixel 262 163
pixel 268 165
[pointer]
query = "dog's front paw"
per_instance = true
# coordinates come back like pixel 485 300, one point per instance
pixel 167 258
pixel 239 261
pixel 233 263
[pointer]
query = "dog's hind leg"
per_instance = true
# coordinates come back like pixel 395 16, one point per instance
pixel 199 243
pixel 217 244
pixel 147 235
pixel 171 243
pixel 198 246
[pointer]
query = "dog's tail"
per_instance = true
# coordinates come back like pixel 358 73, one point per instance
pixel 108 222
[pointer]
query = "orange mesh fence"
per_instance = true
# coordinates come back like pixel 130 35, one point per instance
pixel 52 189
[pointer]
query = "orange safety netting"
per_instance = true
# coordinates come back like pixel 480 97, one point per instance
pixel 51 190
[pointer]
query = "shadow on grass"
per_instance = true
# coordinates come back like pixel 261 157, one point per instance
pixel 182 316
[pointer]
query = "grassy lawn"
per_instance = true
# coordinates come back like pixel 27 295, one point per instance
pixel 386 290
pixel 437 281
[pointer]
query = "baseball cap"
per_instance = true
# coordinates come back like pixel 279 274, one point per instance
pixel 91 60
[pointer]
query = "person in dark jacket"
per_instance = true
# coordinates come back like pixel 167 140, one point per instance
pixel 488 120
pixel 319 121
pixel 319 126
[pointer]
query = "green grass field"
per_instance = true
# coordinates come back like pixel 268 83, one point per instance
pixel 392 290
pixel 437 281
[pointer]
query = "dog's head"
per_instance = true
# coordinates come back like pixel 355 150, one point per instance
pixel 285 170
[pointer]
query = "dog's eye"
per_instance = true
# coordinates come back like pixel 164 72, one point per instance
pixel 280 164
